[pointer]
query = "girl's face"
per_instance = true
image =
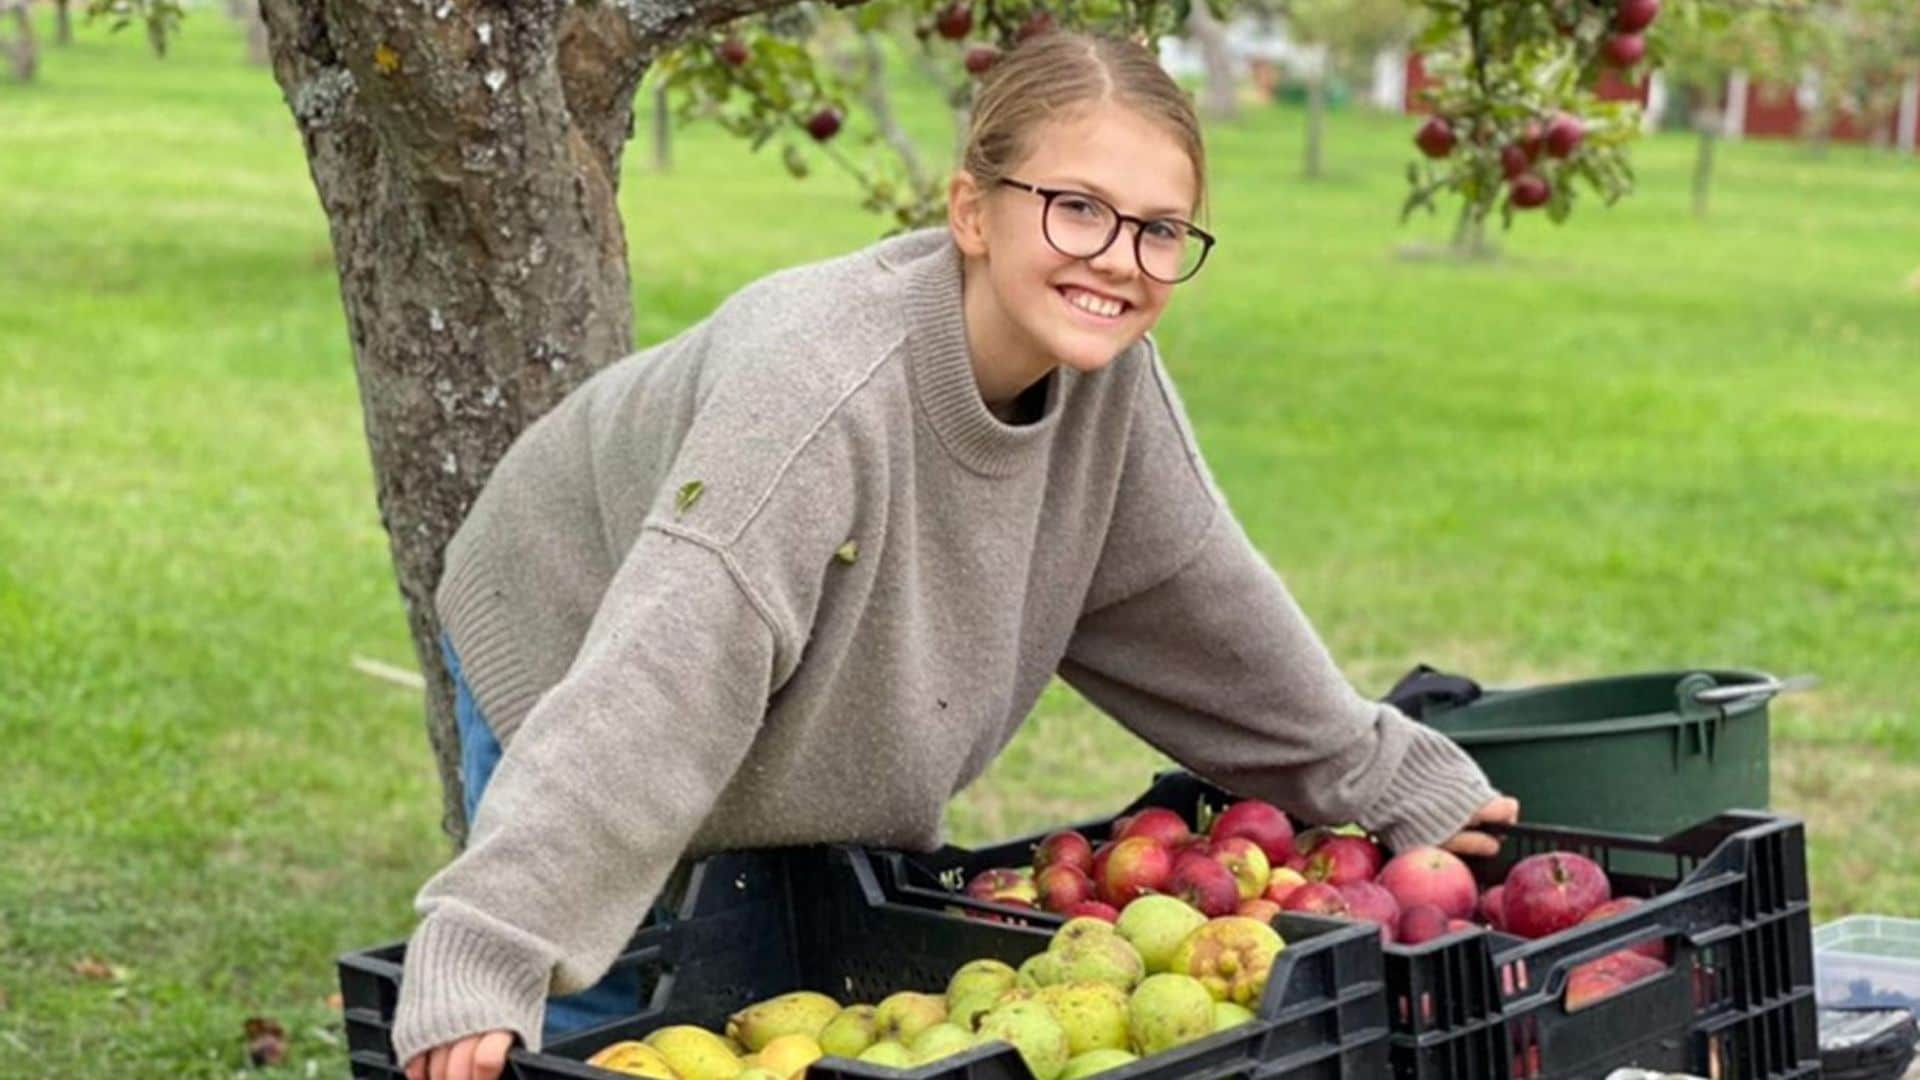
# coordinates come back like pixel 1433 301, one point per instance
pixel 1029 319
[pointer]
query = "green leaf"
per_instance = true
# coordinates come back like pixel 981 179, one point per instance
pixel 848 552
pixel 688 494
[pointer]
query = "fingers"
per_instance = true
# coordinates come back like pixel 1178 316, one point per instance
pixel 1505 810
pixel 490 1058
pixel 437 1063
pixel 1472 842
pixel 417 1067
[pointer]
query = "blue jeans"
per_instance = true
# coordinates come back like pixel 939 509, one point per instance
pixel 613 997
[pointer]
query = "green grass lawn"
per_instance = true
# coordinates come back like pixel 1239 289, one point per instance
pixel 1636 442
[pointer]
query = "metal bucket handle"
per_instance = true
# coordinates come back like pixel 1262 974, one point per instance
pixel 1766 689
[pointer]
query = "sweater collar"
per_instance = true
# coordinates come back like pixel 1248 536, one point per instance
pixel 941 367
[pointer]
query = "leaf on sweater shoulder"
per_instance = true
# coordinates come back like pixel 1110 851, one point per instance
pixel 688 494
pixel 848 552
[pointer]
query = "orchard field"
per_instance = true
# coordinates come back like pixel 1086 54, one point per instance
pixel 1640 441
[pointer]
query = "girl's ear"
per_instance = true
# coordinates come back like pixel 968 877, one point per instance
pixel 966 214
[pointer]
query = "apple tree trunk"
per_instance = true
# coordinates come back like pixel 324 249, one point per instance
pixel 1222 97
pixel 24 55
pixel 467 154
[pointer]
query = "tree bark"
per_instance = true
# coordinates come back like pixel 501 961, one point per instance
pixel 26 51
pixel 1316 118
pixel 62 22
pixel 467 157
pixel 1703 162
pixel 1222 97
pixel 662 131
pixel 247 14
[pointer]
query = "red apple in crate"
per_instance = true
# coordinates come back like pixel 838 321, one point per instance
pixel 1431 875
pixel 1422 923
pixel 1259 908
pixel 1548 893
pixel 1652 949
pixel 1157 822
pixel 1060 887
pixel 1316 898
pixel 1281 881
pixel 1205 885
pixel 1246 861
pixel 1341 860
pixel 1064 848
pixel 1493 910
pixel 1368 902
pixel 1136 866
pixel 1100 854
pixel 1261 822
pixel 1093 909
pixel 1597 980
pixel 1004 885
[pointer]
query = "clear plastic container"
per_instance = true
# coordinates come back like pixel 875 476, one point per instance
pixel 1868 961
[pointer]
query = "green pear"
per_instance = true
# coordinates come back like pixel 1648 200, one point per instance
pixel 1038 970
pixel 802 1012
pixel 1227 1014
pixel 1168 1010
pixel 694 1053
pixel 1094 1015
pixel 974 987
pixel 1106 958
pixel 941 1040
pixel 758 1073
pixel 888 1053
pixel 1155 925
pixel 1095 1061
pixel 851 1030
pixel 1077 928
pixel 1033 1031
pixel 903 1016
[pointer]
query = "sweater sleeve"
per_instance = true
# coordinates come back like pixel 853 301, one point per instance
pixel 602 787
pixel 1190 639
pixel 1217 667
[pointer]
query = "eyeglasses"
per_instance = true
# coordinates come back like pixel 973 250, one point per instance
pixel 1081 226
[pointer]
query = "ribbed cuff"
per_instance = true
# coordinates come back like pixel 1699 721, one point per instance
pixel 1432 795
pixel 460 980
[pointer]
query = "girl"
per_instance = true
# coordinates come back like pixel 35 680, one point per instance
pixel 797 574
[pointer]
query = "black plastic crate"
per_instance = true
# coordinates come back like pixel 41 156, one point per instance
pixel 757 924
pixel 1729 896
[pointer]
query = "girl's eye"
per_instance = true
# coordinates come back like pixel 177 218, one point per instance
pixel 1081 207
pixel 1166 230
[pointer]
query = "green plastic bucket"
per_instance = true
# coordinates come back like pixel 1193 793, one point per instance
pixel 1649 754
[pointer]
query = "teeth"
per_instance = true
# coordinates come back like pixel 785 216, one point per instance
pixel 1089 302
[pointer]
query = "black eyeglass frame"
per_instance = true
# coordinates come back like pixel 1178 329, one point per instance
pixel 1119 220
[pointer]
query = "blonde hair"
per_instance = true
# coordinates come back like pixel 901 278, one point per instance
pixel 1058 72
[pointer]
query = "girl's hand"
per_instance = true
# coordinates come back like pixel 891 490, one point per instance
pixel 1503 810
pixel 476 1057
